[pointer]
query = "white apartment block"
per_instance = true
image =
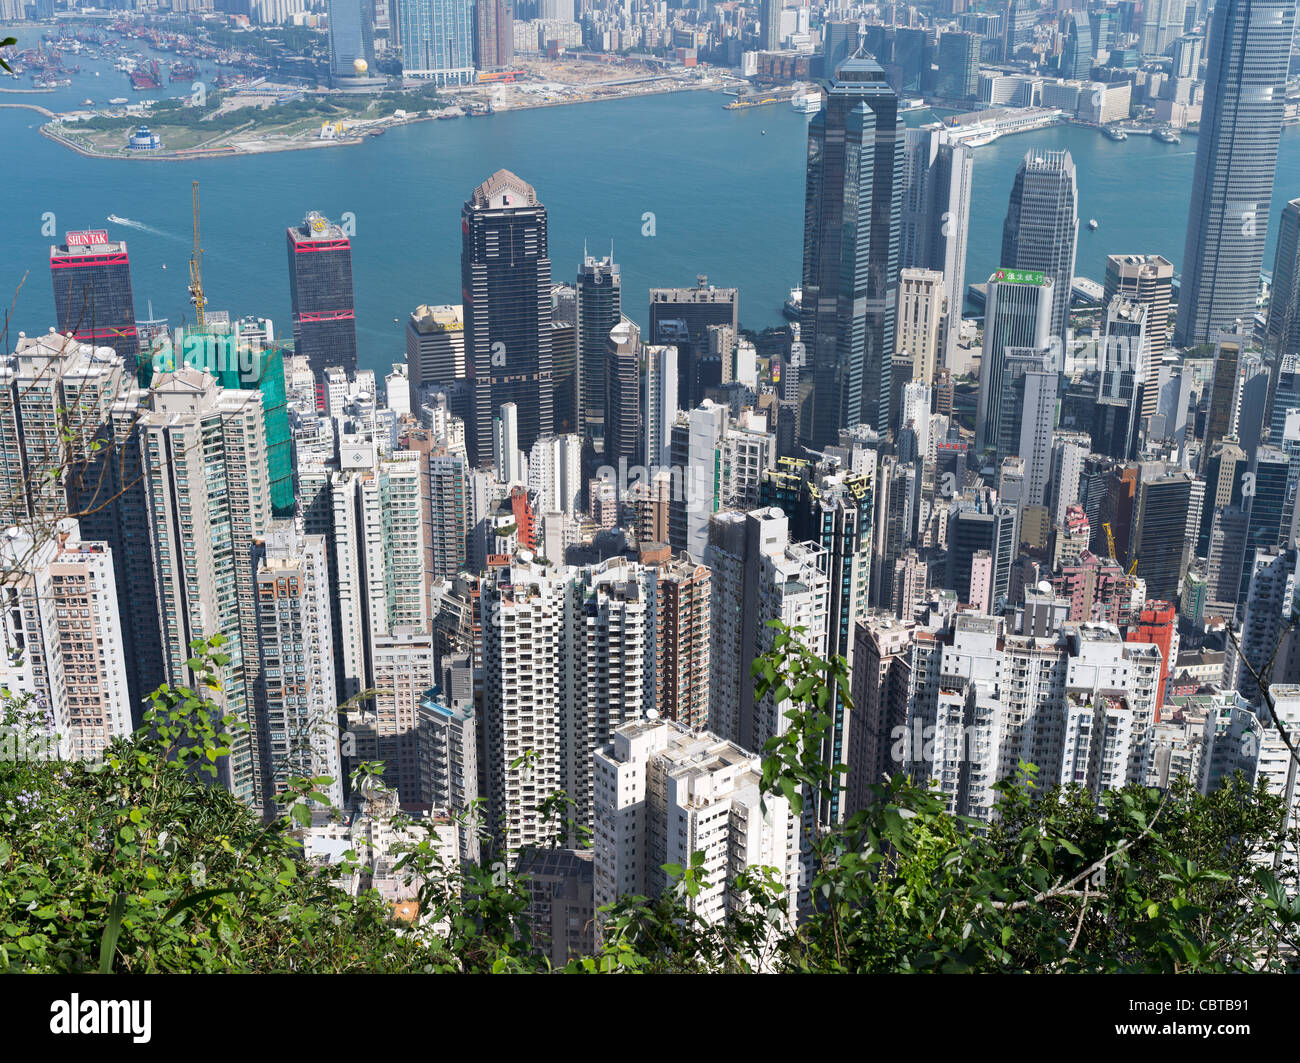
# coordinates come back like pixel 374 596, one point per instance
pixel 663 793
pixel 297 708
pixel 555 473
pixel 63 656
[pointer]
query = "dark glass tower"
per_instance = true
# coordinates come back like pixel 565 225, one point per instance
pixel 1283 335
pixel 852 221
pixel 1076 56
pixel 505 278
pixel 320 289
pixel 599 309
pixel 92 292
pixel 1236 158
pixel 1042 226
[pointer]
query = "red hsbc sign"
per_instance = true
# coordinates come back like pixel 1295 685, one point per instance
pixel 87 237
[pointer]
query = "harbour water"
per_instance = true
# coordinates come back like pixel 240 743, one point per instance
pixel 679 185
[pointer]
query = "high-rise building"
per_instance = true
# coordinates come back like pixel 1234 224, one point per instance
pixel 658 404
pixel 937 179
pixel 352 39
pixel 1159 538
pixel 435 346
pixel 1117 419
pixel 680 317
pixel 1162 23
pixel 494 34
pixel 1077 52
pixel 1042 227
pixel 682 634
pixel 769 37
pixel 1224 394
pixel 320 290
pixel 555 473
pixel 437 40
pixel 1268 630
pixel 1145 279
pixel 599 307
pixel 64 664
pixel 852 223
pixel 623 429
pixel 922 321
pixel 296 707
pixel 1283 333
pixel 207 492
pixel 506 287
pixel 695 439
pixel 1019 311
pixel 1223 485
pixel 664 794
pixel 959 65
pixel 92 292
pixel 1236 158
pixel 447 746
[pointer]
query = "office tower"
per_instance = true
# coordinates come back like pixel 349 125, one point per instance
pixel 694 442
pixel 1145 279
pixel 1187 56
pixel 839 41
pixel 1283 333
pixel 1162 22
pixel 1037 389
pixel 1104 30
pixel 506 457
pixel 494 34
pixel 207 494
pixel 758 575
pixel 1117 422
pixel 1159 538
pixel 384 726
pixel 1069 450
pixel 296 708
pixel 1285 399
pixel 1076 54
pixel 680 317
pixel 1271 500
pixel 63 647
pixel 437 40
pixel 959 66
pixel 352 39
pixel 983 525
pixel 320 289
pixel 1223 484
pixel 599 307
pixel 937 179
pixel 658 404
pixel 447 748
pixel 1236 157
pixel 435 347
pixel 506 285
pixel 922 320
pixel 852 222
pixel 683 611
pixel 769 37
pixel 1042 227
pixel 664 794
pixel 623 430
pixel 1224 393
pixel 1018 314
pixel 92 292
pixel 1268 632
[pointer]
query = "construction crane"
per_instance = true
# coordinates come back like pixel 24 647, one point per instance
pixel 196 267
pixel 1110 542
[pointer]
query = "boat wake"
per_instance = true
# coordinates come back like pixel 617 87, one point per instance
pixel 131 223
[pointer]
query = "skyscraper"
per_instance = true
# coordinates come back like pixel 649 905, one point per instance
pixel 1146 279
pixel 320 290
pixel 1162 21
pixel 1283 333
pixel 1018 316
pixel 352 38
pixel 92 292
pixel 1236 159
pixel 1076 55
pixel 437 40
pixel 494 39
pixel 1042 226
pixel 599 305
pixel 623 393
pixel 852 221
pixel 680 317
pixel 937 179
pixel 769 37
pixel 506 287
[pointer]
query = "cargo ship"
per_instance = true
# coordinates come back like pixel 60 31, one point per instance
pixel 146 78
pixel 184 72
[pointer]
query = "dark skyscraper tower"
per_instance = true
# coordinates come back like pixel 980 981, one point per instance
pixel 320 290
pixel 1076 56
pixel 1042 226
pixel 599 308
pixel 1283 335
pixel 506 289
pixel 1236 157
pixel 92 292
pixel 852 220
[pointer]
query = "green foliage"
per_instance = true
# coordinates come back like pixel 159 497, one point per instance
pixel 142 864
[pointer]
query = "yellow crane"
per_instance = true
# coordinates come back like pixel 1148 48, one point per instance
pixel 1110 542
pixel 196 267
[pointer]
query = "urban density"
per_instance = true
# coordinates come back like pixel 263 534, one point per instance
pixel 1041 518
